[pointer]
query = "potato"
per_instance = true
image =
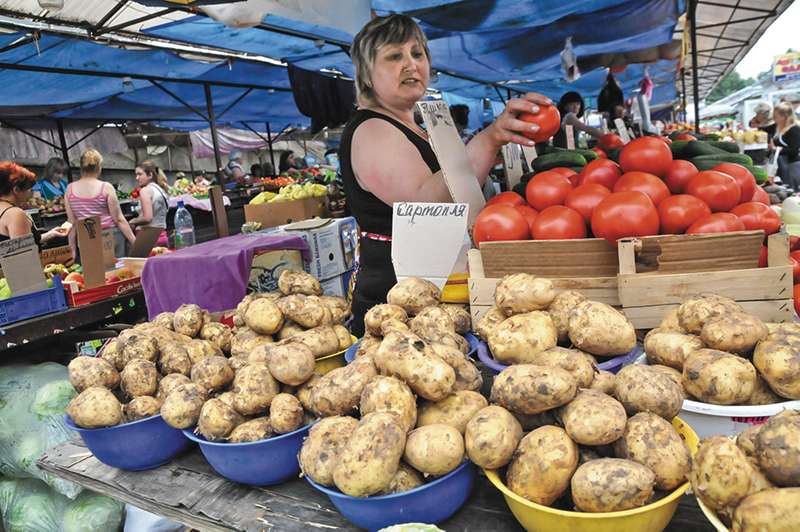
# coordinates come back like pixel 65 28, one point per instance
pixel 414 294
pixel 175 359
pixel 288 330
pixel 200 349
pixel 673 374
pixel 611 485
pixel 579 364
pixel 218 334
pixel 520 337
pixel 746 441
pixel 530 389
pixel 387 394
pixel 304 311
pixel 289 362
pixel 181 408
pixel 643 389
pixel 720 473
pixel 339 307
pixel 254 389
pixel 285 413
pixel 432 318
pixel 165 319
pixel 322 447
pixel 492 436
pixel 521 293
pixel 169 383
pixel 763 394
pixel 455 410
pixel 488 322
pixel 434 449
pixel 778 362
pixel 407 478
pixel 95 407
pixel 217 420
pixel 368 344
pixel 542 465
pixel 718 378
pixel 604 381
pixel 593 418
pixel 140 377
pixel 671 322
pixel 345 338
pixel 369 460
pixel 85 372
pixel 653 442
pixel 339 391
pixel 774 510
pixel 291 282
pixel 670 348
pixel 695 311
pixel 405 356
pixel 460 316
pixel 303 392
pixel 448 338
pixel 531 422
pixel 778 449
pixel 254 430
pixel 374 318
pixel 138 346
pixel 468 376
pixel 141 407
pixel 559 311
pixel 263 316
pixel 188 320
pixel 229 398
pixel 734 332
pixel 322 341
pixel 112 353
pixel 599 329
pixel 392 324
pixel 212 373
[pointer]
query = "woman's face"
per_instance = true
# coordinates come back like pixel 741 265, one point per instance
pixel 401 73
pixel 57 176
pixel 777 117
pixel 141 177
pixel 573 107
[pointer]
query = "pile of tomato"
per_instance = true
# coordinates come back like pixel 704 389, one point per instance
pixel 647 193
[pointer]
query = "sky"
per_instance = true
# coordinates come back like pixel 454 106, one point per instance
pixel 778 38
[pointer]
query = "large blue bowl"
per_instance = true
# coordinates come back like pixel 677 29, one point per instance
pixel 613 364
pixel 473 341
pixel 258 463
pixel 144 444
pixel 430 503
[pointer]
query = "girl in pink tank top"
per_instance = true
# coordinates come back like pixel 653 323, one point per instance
pixel 88 207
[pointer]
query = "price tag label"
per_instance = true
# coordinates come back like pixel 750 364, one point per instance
pixel 570 132
pixel 513 164
pixel 622 130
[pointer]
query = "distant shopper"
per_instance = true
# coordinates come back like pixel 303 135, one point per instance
pixel 89 196
pixel 153 197
pixel 787 137
pixel 762 120
pixel 53 183
pixel 235 171
pixel 256 171
pixel 288 162
pixel 16 183
pixel 571 107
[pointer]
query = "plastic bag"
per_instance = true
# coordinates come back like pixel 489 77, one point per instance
pixel 33 400
pixel 28 505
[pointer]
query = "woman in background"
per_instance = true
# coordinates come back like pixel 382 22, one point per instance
pixel 52 184
pixel 571 107
pixel 16 183
pixel 787 137
pixel 153 199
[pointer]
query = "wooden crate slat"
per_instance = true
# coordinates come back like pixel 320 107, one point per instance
pixel 550 258
pixel 778 311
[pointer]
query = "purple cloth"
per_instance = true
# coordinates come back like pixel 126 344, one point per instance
pixel 213 275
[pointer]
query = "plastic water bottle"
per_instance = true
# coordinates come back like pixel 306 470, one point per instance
pixel 184 227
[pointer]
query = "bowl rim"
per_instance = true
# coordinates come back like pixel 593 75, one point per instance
pixel 353 341
pixel 338 494
pixel 189 433
pixel 472 339
pixel 72 426
pixel 711 515
pixel 485 356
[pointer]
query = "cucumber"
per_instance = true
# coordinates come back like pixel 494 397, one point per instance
pixel 697 148
pixel 739 158
pixel 614 154
pixel 730 147
pixel 758 172
pixel 554 160
pixel 589 155
pixel 678 148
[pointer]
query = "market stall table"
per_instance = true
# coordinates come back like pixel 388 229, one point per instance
pixel 188 491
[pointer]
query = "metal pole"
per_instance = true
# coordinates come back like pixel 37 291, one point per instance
pixel 64 150
pixel 271 151
pixel 695 86
pixel 683 94
pixel 212 120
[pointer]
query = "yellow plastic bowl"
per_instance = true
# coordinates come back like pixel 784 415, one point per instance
pixel 711 515
pixel 331 362
pixel 650 518
pixel 456 290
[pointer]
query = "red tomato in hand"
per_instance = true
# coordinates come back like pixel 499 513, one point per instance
pixel 547 189
pixel 600 153
pixel 558 223
pixel 761 196
pixel 584 198
pixel 646 154
pixel 755 216
pixel 685 136
pixel 609 141
pixel 679 174
pixel 600 171
pixel 548 119
pixel 500 222
pixel 569 174
pixel 651 185
pixel 678 213
pixel 507 198
pixel 720 191
pixel 747 183
pixel 796 293
pixel 624 214
pixel 763 258
pixel 529 213
pixel 719 222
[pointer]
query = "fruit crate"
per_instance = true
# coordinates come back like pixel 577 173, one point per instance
pixel 77 298
pixel 25 306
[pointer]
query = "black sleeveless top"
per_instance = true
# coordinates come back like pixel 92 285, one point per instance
pixel 373 215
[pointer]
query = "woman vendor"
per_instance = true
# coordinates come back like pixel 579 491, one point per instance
pixel 385 156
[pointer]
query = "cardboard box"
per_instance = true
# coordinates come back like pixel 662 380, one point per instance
pixel 332 242
pixel 267 267
pixel 57 255
pixel 286 212
pixel 338 286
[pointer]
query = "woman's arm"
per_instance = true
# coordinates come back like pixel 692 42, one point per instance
pixel 116 214
pixel 146 208
pixel 792 140
pixel 578 124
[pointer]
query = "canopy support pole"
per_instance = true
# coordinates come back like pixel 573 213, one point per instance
pixel 683 94
pixel 236 102
pixel 212 121
pixel 86 136
pixel 500 94
pixel 178 99
pixel 271 151
pixel 64 149
pixel 695 86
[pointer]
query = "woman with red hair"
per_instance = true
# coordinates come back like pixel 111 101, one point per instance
pixel 16 183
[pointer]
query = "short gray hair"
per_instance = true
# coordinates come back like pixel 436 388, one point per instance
pixel 762 107
pixel 380 31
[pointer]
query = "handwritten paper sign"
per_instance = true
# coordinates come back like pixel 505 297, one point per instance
pixel 570 132
pixel 428 239
pixel 605 125
pixel 622 130
pixel 19 260
pixel 512 162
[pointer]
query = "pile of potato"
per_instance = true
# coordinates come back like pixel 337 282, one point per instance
pixel 753 482
pixel 397 414
pixel 726 356
pixel 235 386
pixel 530 318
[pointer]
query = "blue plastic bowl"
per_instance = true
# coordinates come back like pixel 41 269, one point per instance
pixel 613 364
pixel 430 503
pixel 472 340
pixel 258 463
pixel 144 444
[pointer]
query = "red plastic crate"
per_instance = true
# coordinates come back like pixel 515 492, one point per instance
pixel 92 295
